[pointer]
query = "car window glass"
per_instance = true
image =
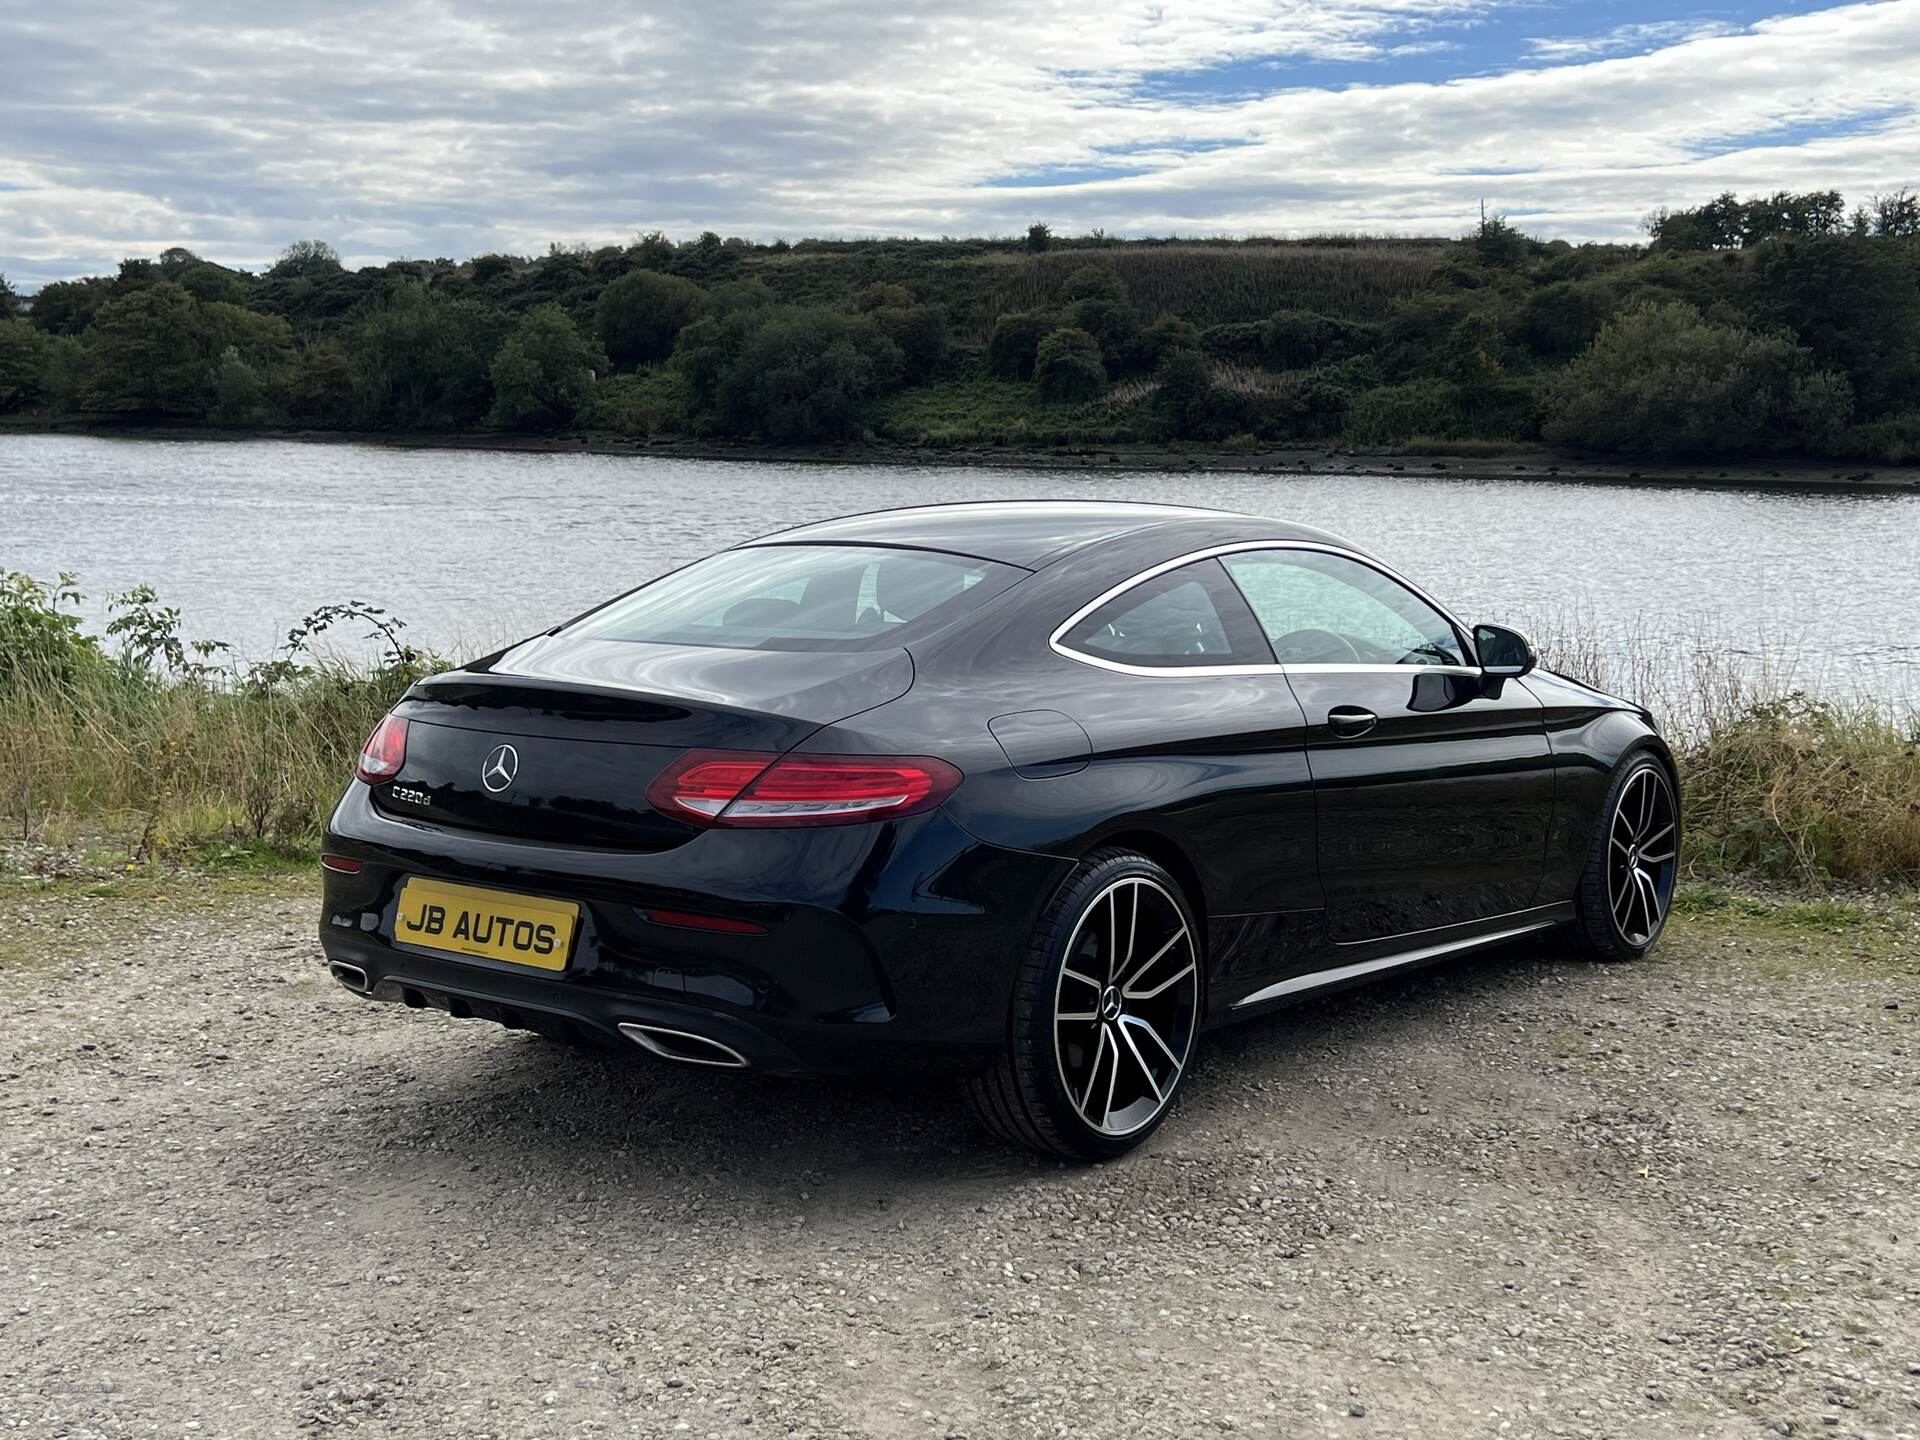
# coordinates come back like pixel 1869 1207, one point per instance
pixel 1320 609
pixel 801 597
pixel 1186 617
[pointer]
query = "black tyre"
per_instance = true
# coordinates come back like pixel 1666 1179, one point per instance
pixel 1105 1008
pixel 1626 888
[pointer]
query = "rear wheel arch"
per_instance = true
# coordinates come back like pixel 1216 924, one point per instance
pixel 1029 1095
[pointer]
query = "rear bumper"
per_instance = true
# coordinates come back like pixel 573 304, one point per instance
pixel 889 949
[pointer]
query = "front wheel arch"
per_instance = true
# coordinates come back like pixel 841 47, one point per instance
pixel 1622 843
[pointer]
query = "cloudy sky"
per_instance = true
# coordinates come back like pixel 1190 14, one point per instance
pixel 455 127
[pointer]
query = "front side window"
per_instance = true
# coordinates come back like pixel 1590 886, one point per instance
pixel 1186 617
pixel 802 597
pixel 1321 609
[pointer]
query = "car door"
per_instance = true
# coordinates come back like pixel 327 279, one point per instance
pixel 1190 724
pixel 1433 785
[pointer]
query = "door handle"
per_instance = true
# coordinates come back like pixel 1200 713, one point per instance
pixel 1350 722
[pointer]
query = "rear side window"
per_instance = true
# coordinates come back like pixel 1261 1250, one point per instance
pixel 1186 617
pixel 802 597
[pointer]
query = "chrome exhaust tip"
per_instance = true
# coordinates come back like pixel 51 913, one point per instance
pixel 683 1047
pixel 351 976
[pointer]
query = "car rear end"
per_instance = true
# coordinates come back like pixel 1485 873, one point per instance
pixel 637 831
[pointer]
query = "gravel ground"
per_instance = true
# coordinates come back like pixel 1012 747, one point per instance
pixel 1518 1196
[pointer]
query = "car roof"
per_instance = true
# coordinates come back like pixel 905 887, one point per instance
pixel 1035 533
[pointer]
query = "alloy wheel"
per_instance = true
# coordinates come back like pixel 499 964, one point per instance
pixel 1642 850
pixel 1125 1006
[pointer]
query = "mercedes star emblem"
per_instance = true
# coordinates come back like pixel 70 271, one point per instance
pixel 503 763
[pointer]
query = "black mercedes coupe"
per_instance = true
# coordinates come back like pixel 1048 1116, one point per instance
pixel 1028 793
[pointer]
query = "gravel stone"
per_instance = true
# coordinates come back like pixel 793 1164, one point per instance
pixel 1519 1196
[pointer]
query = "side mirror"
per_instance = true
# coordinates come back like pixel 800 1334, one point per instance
pixel 1504 654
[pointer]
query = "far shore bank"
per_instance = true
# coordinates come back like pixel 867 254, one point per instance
pixel 1517 463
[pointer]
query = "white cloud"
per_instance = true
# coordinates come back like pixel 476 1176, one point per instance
pixel 1623 39
pixel 429 127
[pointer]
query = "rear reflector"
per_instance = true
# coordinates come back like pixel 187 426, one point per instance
pixel 345 864
pixel 734 789
pixel 385 751
pixel 687 920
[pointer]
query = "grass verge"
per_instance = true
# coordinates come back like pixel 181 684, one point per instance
pixel 180 754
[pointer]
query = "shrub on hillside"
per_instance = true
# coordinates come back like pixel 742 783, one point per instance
pixel 1563 318
pixel 1016 343
pixel 1853 302
pixel 1069 367
pixel 1661 378
pixel 659 402
pixel 1894 440
pixel 325 384
pixel 1160 339
pixel 1393 414
pixel 1296 339
pixel 424 360
pixel 640 315
pixel 919 331
pixel 1192 405
pixel 802 375
pixel 1240 342
pixel 25 357
pixel 543 373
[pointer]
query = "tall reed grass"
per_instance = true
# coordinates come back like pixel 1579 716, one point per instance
pixel 172 749
pixel 1777 781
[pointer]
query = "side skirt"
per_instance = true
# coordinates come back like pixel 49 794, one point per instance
pixel 1525 922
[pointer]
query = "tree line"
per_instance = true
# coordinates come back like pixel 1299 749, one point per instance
pixel 1782 324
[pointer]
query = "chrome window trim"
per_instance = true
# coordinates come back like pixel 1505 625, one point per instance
pixel 1213 552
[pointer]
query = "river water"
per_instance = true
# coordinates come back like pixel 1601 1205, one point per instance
pixel 473 548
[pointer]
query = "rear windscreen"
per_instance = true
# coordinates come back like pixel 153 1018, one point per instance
pixel 801 597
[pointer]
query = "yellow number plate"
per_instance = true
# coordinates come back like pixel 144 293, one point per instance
pixel 493 924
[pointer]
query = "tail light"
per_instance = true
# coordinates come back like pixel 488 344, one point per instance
pixel 739 789
pixel 385 751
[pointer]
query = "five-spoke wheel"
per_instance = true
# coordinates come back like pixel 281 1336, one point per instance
pixel 1628 883
pixel 1104 1013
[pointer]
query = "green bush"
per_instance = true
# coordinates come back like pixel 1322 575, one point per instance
pixel 641 314
pixel 658 402
pixel 1094 282
pixel 1241 342
pixel 424 360
pixel 26 355
pixel 1160 339
pixel 1804 790
pixel 326 384
pixel 1854 303
pixel 160 743
pixel 918 331
pixel 1068 367
pixel 1194 408
pixel 543 372
pixel 1016 343
pixel 1563 318
pixel 1663 379
pixel 1297 339
pixel 41 642
pixel 1393 414
pixel 803 375
pixel 1892 441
